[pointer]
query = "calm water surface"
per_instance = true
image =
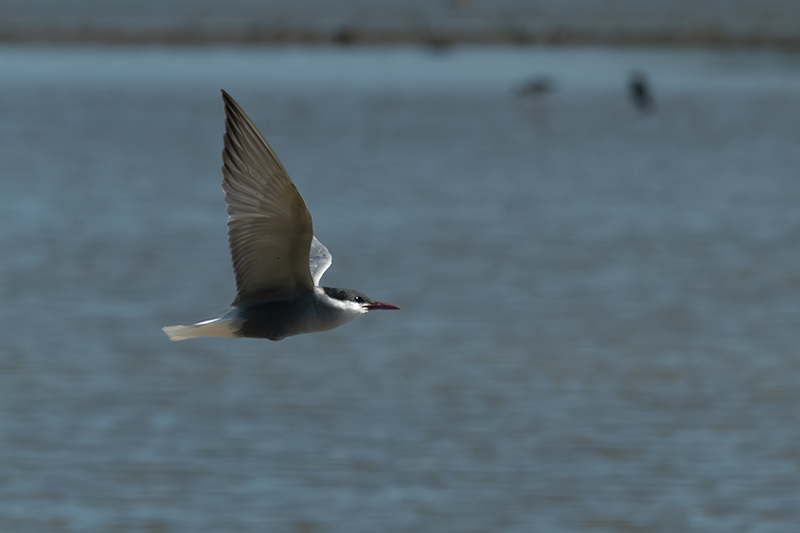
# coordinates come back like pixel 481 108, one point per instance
pixel 600 307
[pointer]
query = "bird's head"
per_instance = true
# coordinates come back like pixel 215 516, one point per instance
pixel 356 300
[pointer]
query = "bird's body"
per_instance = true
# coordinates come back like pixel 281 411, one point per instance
pixel 641 93
pixel 276 319
pixel 276 258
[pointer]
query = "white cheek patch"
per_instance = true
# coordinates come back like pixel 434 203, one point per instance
pixel 348 308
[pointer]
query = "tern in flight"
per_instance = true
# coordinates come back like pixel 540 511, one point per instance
pixel 277 260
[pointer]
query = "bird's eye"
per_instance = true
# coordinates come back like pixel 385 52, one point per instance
pixel 358 300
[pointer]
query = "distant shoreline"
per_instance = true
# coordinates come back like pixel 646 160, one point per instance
pixel 350 35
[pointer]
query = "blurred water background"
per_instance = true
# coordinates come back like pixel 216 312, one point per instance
pixel 600 305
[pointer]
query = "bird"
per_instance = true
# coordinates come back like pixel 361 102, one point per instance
pixel 640 92
pixel 277 260
pixel 538 86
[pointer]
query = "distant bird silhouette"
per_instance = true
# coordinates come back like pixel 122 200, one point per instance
pixel 640 92
pixel 538 86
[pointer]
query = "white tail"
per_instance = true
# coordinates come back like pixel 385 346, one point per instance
pixel 216 327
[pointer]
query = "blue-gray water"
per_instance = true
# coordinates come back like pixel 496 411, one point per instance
pixel 600 307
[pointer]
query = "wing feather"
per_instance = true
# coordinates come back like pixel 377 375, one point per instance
pixel 319 260
pixel 269 226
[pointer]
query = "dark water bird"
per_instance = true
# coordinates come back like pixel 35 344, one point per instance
pixel 640 92
pixel 277 260
pixel 538 86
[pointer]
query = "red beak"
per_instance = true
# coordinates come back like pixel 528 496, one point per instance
pixel 381 305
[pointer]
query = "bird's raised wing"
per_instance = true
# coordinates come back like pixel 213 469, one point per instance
pixel 269 226
pixel 319 259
